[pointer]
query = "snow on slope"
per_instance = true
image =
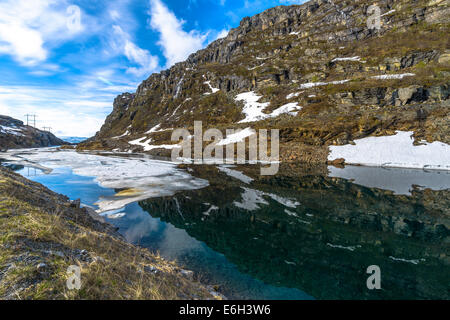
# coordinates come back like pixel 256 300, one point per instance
pixel 11 130
pixel 394 151
pixel 310 85
pixel 393 76
pixel 356 59
pixel 253 109
pixel 147 146
pixel 237 137
pixel 214 90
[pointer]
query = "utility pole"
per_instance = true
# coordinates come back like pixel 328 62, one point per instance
pixel 48 129
pixel 31 116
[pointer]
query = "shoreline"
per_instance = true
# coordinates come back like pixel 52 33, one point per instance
pixel 43 233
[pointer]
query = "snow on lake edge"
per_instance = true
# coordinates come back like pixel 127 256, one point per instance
pixel 394 151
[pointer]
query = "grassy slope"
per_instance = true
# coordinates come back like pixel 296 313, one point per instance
pixel 41 235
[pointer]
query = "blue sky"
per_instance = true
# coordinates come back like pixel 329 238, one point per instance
pixel 66 61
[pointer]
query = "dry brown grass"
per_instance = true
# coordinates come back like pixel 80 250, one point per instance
pixel 114 269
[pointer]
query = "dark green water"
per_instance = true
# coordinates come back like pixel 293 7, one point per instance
pixel 255 244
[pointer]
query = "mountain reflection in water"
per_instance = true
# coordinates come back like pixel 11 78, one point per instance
pixel 325 244
pixel 308 232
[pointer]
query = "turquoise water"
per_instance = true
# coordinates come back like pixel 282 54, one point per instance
pixel 298 235
pixel 139 227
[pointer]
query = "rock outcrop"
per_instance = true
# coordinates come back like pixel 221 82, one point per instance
pixel 349 80
pixel 15 135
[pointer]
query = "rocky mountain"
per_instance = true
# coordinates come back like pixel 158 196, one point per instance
pixel 316 72
pixel 15 135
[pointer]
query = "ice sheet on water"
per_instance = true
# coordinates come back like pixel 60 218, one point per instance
pixel 143 177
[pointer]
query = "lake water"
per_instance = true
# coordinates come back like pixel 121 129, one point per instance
pixel 306 233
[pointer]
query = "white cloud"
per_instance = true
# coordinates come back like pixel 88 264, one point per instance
pixel 26 27
pixel 147 63
pixel 70 111
pixel 176 43
pixel 222 34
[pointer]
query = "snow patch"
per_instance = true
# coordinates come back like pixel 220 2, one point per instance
pixel 253 109
pixel 214 90
pixel 394 151
pixel 11 130
pixel 393 76
pixel 250 69
pixel 388 13
pixel 290 108
pixel 237 137
pixel 318 84
pixel 293 95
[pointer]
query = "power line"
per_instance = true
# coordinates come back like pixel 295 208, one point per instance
pixel 33 117
pixel 48 129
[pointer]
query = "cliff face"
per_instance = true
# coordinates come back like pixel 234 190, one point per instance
pixel 326 79
pixel 15 135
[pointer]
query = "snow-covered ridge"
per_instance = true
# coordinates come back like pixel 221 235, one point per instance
pixel 394 151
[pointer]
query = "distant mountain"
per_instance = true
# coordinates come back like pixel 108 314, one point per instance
pixel 15 135
pixel 75 140
pixel 316 72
